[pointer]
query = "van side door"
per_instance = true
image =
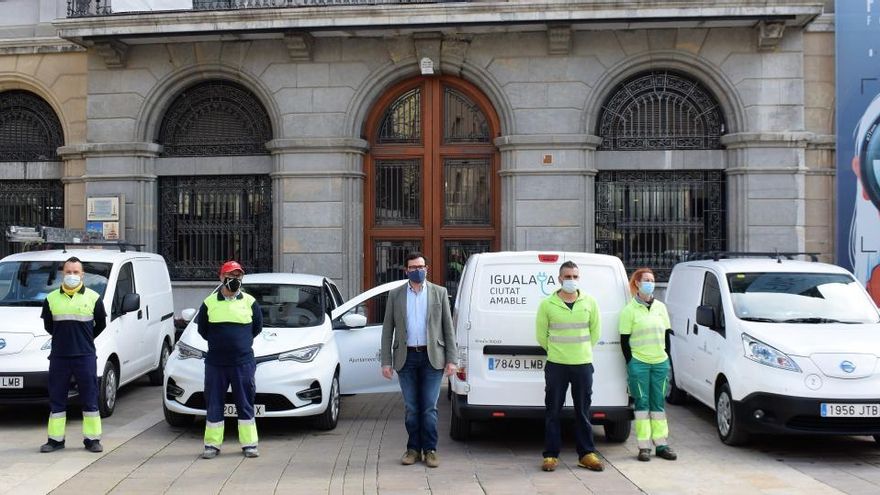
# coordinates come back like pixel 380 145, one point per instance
pixel 128 326
pixel 709 342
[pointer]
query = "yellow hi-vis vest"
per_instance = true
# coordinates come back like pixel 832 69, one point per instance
pixel 568 335
pixel 237 310
pixel 79 308
pixel 647 330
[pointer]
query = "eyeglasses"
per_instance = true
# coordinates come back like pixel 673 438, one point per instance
pixel 412 268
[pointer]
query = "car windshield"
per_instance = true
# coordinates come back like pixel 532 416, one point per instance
pixel 27 283
pixel 289 306
pixel 800 298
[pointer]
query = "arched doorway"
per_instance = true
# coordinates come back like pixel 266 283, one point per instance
pixel 431 179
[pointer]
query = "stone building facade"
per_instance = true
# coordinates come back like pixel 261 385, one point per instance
pixel 717 116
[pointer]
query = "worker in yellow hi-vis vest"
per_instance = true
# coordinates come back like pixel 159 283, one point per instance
pixel 229 319
pixel 644 326
pixel 73 315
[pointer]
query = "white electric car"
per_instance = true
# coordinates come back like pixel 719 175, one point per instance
pixel 313 348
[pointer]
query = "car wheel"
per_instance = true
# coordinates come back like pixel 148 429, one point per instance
pixel 175 418
pixel 459 427
pixel 157 376
pixel 617 431
pixel 674 395
pixel 107 388
pixel 729 427
pixel 328 419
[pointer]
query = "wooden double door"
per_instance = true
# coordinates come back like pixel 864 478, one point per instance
pixel 431 179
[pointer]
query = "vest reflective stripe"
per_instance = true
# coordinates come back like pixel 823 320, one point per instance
pixel 569 339
pixel 234 311
pixel 571 326
pixel 80 307
pixel 247 432
pixel 73 318
pixel 57 423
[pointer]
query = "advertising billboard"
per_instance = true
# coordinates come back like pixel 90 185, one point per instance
pixel 857 28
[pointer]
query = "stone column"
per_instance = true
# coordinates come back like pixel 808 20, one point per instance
pixel 111 169
pixel 547 192
pixel 318 188
pixel 766 191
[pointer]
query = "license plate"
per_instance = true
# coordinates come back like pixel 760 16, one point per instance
pixel 828 410
pixel 525 363
pixel 11 382
pixel 230 412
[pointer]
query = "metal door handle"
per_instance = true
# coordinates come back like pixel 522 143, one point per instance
pixel 696 329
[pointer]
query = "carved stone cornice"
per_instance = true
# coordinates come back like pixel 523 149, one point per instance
pixel 113 52
pixel 769 34
pixel 299 46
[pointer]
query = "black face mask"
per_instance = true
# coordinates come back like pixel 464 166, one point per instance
pixel 233 284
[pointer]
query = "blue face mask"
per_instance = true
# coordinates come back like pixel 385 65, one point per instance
pixel 646 288
pixel 417 276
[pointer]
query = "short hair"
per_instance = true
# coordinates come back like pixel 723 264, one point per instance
pixel 567 264
pixel 72 259
pixel 414 255
pixel 636 277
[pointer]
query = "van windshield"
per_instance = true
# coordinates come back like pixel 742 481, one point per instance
pixel 27 283
pixel 781 297
pixel 287 305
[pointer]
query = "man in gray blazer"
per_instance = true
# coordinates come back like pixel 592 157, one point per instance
pixel 418 338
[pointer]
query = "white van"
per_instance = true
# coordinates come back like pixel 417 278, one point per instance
pixel 775 346
pixel 136 291
pixel 500 363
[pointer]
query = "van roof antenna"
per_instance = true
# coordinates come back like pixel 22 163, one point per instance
pixel 778 258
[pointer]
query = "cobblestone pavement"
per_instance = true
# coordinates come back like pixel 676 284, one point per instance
pixel 145 455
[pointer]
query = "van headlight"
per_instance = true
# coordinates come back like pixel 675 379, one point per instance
pixel 47 346
pixel 765 354
pixel 303 354
pixel 185 351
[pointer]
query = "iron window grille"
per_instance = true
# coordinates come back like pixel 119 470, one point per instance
pixel 206 220
pixel 215 118
pixel 29 203
pixel 29 129
pixel 661 111
pixel 656 218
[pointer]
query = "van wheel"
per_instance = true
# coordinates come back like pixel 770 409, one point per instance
pixel 877 439
pixel 617 431
pixel 330 417
pixel 107 388
pixel 674 395
pixel 175 418
pixel 157 376
pixel 729 427
pixel 459 428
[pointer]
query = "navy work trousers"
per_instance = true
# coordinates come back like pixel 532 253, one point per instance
pixel 557 377
pixel 85 370
pixel 244 390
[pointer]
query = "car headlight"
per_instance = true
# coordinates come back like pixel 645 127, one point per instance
pixel 765 354
pixel 185 351
pixel 303 354
pixel 47 346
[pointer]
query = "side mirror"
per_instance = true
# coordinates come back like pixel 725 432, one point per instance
pixel 354 320
pixel 706 317
pixel 131 302
pixel 188 314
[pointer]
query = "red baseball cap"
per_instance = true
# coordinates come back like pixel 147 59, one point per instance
pixel 230 266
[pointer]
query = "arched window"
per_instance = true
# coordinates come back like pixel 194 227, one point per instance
pixel 29 129
pixel 208 219
pixel 653 216
pixel 660 111
pixel 215 118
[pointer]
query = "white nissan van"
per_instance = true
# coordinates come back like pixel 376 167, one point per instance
pixel 136 291
pixel 775 346
pixel 501 366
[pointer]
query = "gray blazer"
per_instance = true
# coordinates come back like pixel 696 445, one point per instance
pixel 441 335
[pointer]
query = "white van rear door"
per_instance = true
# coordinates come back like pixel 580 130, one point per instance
pixel 505 363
